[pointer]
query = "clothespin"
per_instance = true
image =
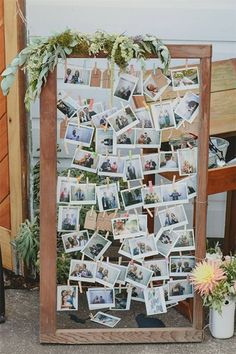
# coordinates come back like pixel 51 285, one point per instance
pixel 104 214
pixel 128 183
pixel 91 316
pixel 107 152
pixel 68 175
pixel 170 135
pixel 105 127
pixel 82 257
pixel 149 212
pixel 80 177
pixel 107 234
pixel 68 282
pixel 136 212
pixel 161 106
pixel 130 154
pixel 156 211
pixel 87 181
pixel 142 126
pixel 78 119
pixel 80 287
pixel 107 259
pixel 95 67
pixel 108 181
pixel 151 285
pixel 150 185
pixel 173 181
pixel 119 260
pixel 178 96
pixel 118 154
pixel 91 210
pixel 116 211
pixel 172 149
pixel 186 64
pixel 131 69
pixel 66 147
pixel 141 152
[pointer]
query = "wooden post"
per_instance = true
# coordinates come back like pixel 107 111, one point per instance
pixel 48 210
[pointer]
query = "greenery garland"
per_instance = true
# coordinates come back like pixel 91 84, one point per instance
pixel 42 55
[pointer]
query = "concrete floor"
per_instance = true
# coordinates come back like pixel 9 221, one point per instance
pixel 20 334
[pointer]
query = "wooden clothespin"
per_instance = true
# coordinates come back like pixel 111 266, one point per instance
pixel 107 234
pixel 156 211
pixel 150 186
pixel 107 259
pixel 80 177
pixel 68 175
pixel 141 152
pixel 149 212
pixel 66 147
pixel 91 316
pixel 130 154
pixel 173 181
pixel 91 210
pixel 95 67
pixel 119 260
pixel 80 287
pixel 115 213
pixel 128 184
pixel 151 285
pixel 68 282
pixel 87 181
pixel 186 64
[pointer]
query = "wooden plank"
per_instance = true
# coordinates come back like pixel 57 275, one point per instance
pixel 5 220
pixel 230 224
pixel 3 105
pixel 221 179
pixel 2 44
pixel 48 210
pixel 4 179
pixel 3 137
pixel 223 75
pixel 5 239
pixel 124 335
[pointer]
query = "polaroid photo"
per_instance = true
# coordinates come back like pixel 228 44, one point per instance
pixel 191 183
pixel 68 218
pixel 122 299
pixel 132 198
pixel 142 247
pixel 165 241
pixel 82 271
pixel 123 120
pixel 151 196
pixel 81 135
pixel 96 247
pixel 187 161
pixel 125 227
pixel 155 87
pixel 174 193
pixel 125 249
pixel 67 105
pixel 138 275
pixel 85 160
pixel 75 241
pixel 105 319
pixel 106 274
pixel 188 107
pixel 77 76
pixel 125 87
pixel 181 266
pixel 104 141
pixel 133 168
pixel 185 79
pixel 99 120
pixel 173 217
pixel 125 140
pixel 159 267
pixel 169 303
pixel 155 301
pixel 180 289
pixel 107 196
pixel 83 193
pixel 122 275
pixel 150 164
pixel 86 113
pixel 147 138
pixel 168 161
pixel 137 294
pixel 63 190
pixel 142 218
pixel 185 241
pixel 163 116
pixel 67 298
pixel 138 90
pixel 113 166
pixel 145 119
pixel 178 119
pixel 100 298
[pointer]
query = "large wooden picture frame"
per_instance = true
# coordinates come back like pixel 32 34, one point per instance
pixel 49 333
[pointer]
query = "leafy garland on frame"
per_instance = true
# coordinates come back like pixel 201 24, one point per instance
pixel 42 55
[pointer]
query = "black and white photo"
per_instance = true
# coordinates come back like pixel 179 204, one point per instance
pixel 123 120
pixel 137 294
pixel 107 196
pixel 165 241
pixel 133 168
pixel 125 86
pixel 132 198
pixel 68 218
pixel 138 275
pixel 104 141
pixel 83 271
pixel 106 274
pixel 188 107
pixel 122 299
pixel 96 247
pixel 181 266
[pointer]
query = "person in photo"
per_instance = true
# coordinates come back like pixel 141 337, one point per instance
pixel 131 171
pixel 169 162
pixel 123 139
pixel 67 299
pixel 68 76
pixel 64 195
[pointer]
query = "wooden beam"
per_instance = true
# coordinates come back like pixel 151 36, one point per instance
pixel 5 236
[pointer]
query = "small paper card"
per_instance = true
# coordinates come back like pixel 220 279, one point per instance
pixel 104 221
pixel 90 222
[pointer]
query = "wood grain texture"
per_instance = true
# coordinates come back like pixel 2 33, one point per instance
pixel 4 179
pixel 221 180
pixel 3 137
pixel 5 219
pixel 5 239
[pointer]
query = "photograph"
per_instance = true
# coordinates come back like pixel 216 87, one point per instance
pixel 77 76
pixel 81 135
pixel 113 166
pixel 63 190
pixel 184 79
pixel 122 275
pixel 75 241
pixel 82 271
pixel 147 138
pixel 85 160
pixel 191 182
pixel 133 168
pixel 168 161
pixel 68 218
pixel 178 119
pixel 172 217
pixel 125 249
pixel 123 120
pixel 104 140
pixel 125 140
pixel 154 88
pixel 185 241
pixel 180 289
pixel 138 275
pixel 96 247
pixel 67 105
pixel 106 274
pixel 137 294
pixel 154 301
pixel 86 113
pixel 125 227
pixel 181 266
pixel 100 120
pixel 144 116
pixel 151 196
pixel 142 247
pixel 125 86
pixel 159 267
pixel 187 161
pixel 142 218
pixel 188 107
pixel 122 299
pixel 174 193
pixel 150 163
pixel 163 116
pixel 83 193
pixel 169 303
pixel 100 298
pixel 67 298
pixel 107 196
pixel 132 198
pixel 105 319
pixel 138 90
pixel 165 241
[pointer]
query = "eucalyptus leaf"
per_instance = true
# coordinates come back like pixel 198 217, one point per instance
pixel 15 62
pixel 5 87
pixel 7 71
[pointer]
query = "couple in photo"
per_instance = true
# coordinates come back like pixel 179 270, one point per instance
pixel 150 165
pixel 69 222
pixel 109 202
pixel 81 271
pixel 121 122
pixel 181 267
pixel 102 274
pixel 107 166
pixel 72 78
pixel 144 139
pixel 123 139
pixel 74 241
pixel 67 299
pixel 86 161
pixel 134 274
pixel 171 219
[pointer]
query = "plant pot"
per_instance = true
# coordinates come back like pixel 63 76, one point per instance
pixel 222 324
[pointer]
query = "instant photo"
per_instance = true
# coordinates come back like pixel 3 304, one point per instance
pixel 63 190
pixel 181 266
pixel 144 117
pixel 159 267
pixel 185 79
pixel 100 298
pixel 125 87
pixel 168 161
pixel 138 90
pixel 67 298
pixel 100 120
pixel 104 141
pixel 123 120
pixel 105 319
pixel 142 247
pixel 81 135
pixel 122 299
pixel 125 249
pixel 111 166
pixel 154 87
pixel 106 274
pixel 174 193
pixel 185 241
pixel 187 161
pixel 83 193
pixel 96 247
pixel 188 107
pixel 125 140
pixel 107 196
pixel 125 227
pixel 179 290
pixel 137 294
pixel 172 217
pixel 163 116
pixel 165 241
pixel 82 271
pixel 191 183
pixel 122 275
pixel 133 168
pixel 68 218
pixel 85 160
pixel 138 275
pixel 147 138
pixel 67 105
pixel 150 164
pixel 132 198
pixel 75 241
pixel 154 301
pixel 77 76
pixel 151 196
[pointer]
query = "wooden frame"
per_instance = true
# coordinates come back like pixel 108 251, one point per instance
pixel 48 179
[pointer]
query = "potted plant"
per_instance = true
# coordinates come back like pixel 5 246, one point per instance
pixel 214 279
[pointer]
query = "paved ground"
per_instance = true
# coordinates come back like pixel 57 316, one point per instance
pixel 19 335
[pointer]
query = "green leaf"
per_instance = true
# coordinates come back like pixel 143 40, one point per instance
pixel 5 87
pixel 7 71
pixel 15 62
pixel 68 51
